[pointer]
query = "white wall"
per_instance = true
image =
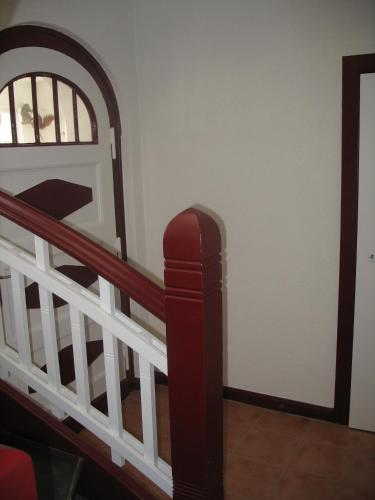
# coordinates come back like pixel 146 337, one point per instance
pixel 236 106
pixel 240 108
pixel 106 30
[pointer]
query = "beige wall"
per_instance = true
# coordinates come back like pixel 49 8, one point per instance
pixel 236 106
pixel 106 30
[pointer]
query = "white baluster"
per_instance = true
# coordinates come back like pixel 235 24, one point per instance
pixel 80 357
pixel 147 382
pixel 20 318
pixel 42 253
pixel 47 313
pixel 111 365
pixel 2 329
pixel 3 370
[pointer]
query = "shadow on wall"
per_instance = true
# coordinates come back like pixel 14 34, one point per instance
pixel 7 9
pixel 224 266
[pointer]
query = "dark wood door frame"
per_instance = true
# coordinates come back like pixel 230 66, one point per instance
pixel 353 68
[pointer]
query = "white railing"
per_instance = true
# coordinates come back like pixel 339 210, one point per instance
pixel 190 305
pixel 116 328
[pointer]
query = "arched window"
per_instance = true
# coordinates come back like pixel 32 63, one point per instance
pixel 45 109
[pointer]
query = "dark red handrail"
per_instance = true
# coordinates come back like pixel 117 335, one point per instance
pixel 116 271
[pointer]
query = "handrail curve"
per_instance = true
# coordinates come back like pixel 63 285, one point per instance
pixel 121 274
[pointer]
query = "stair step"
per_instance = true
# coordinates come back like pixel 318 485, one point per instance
pixel 80 274
pixel 94 349
pixel 56 472
pixel 56 197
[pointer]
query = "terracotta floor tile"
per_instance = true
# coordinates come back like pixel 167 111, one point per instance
pixel 271 455
pixel 233 436
pixel 246 479
pixel 367 442
pixel 131 412
pixel 283 422
pixel 302 486
pixel 164 444
pixel 327 433
pixel 347 492
pixel 325 460
pixel 241 414
pixel 239 420
pixel 359 471
pixel 275 448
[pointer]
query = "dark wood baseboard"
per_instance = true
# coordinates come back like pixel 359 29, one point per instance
pixel 280 404
pixel 263 400
pixel 252 398
pixel 99 478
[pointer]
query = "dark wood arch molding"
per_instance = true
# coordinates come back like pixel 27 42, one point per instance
pixel 353 68
pixel 39 36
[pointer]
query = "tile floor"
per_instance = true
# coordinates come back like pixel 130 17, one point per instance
pixel 274 456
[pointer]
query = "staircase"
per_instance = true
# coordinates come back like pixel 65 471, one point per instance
pixel 60 198
pixel 190 305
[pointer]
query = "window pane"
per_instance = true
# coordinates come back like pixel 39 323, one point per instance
pixel 23 104
pixel 66 112
pixel 84 122
pixel 5 124
pixel 46 112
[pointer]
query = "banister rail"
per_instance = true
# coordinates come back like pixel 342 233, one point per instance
pixel 191 307
pixel 131 282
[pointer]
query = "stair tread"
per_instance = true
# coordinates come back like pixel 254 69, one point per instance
pixel 56 472
pixel 57 197
pixel 80 274
pixel 94 349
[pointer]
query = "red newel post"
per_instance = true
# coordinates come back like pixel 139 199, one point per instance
pixel 193 308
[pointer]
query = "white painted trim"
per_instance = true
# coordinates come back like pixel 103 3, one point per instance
pixel 115 327
pixel 124 328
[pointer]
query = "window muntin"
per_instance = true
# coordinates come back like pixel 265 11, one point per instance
pixel 45 109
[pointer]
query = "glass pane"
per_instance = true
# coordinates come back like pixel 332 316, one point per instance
pixel 84 122
pixel 46 112
pixel 23 104
pixel 5 124
pixel 66 112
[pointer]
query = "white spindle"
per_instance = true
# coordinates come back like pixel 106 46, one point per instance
pixel 3 371
pixel 47 313
pixel 80 357
pixel 111 365
pixel 147 382
pixel 115 327
pixel 2 327
pixel 20 318
pixel 42 253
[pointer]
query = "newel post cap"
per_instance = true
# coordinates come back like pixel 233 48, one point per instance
pixel 191 236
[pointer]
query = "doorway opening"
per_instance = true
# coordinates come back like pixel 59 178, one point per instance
pixel 353 68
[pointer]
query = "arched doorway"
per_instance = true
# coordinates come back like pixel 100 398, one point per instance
pixel 38 36
pixel 87 82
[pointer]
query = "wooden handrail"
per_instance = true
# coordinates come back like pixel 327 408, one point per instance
pixel 131 282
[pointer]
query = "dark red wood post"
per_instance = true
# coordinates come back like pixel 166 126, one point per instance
pixel 193 307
